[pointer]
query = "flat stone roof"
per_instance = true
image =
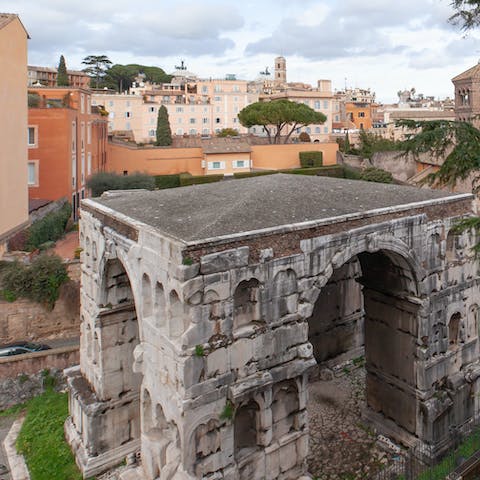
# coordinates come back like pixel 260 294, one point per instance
pixel 231 207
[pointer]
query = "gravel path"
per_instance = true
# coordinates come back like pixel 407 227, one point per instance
pixel 341 447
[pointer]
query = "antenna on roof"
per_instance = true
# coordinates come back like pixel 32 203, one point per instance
pixel 182 66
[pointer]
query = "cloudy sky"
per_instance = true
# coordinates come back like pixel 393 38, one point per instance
pixel 384 45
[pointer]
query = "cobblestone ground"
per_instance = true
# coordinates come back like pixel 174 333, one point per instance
pixel 341 447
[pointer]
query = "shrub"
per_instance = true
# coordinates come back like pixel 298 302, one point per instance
pixel 167 181
pixel 39 281
pixel 33 99
pixel 351 173
pixel 103 181
pixel 195 180
pixel 48 229
pixel 373 174
pixel 227 132
pixel 253 174
pixel 311 159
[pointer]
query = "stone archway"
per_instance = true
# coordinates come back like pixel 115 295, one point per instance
pixel 369 311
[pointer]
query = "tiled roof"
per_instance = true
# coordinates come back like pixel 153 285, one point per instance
pixel 473 72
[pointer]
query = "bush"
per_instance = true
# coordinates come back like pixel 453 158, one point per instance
pixel 167 181
pixel 39 281
pixel 103 181
pixel 195 180
pixel 48 229
pixel 373 174
pixel 253 174
pixel 351 173
pixel 311 159
pixel 227 132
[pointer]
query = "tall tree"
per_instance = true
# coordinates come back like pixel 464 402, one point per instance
pixel 62 75
pixel 467 13
pixel 97 66
pixel 279 116
pixel 164 134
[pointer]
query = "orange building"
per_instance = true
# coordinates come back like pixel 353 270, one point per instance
pixel 13 123
pixel 361 114
pixel 66 143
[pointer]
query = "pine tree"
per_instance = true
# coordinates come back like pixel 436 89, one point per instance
pixel 164 134
pixel 347 146
pixel 62 76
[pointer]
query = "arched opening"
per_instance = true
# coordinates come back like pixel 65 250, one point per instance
pixel 146 296
pixel 245 429
pixel 246 304
pixel 454 331
pixel 364 331
pixel 159 307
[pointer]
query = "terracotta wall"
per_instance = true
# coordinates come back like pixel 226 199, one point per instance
pixel 164 161
pixel 279 157
pixel 155 161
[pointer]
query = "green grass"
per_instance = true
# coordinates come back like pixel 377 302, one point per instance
pixel 42 440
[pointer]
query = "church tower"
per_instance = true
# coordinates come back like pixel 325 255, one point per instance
pixel 280 70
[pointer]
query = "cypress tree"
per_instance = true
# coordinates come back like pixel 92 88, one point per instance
pixel 164 134
pixel 62 76
pixel 347 147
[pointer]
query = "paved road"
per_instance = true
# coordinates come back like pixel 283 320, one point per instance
pixel 5 424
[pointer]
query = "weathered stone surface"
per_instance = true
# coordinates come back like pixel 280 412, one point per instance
pixel 205 367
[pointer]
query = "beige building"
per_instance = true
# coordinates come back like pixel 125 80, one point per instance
pixel 47 77
pixel 13 128
pixel 195 107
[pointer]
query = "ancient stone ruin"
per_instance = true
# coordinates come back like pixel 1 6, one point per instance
pixel 205 309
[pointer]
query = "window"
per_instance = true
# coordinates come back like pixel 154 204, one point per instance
pixel 205 131
pixel 204 89
pixel 307 130
pixel 179 131
pixel 337 118
pixel 82 103
pixel 111 114
pixel 151 109
pixel 127 103
pixel 33 173
pixel 192 120
pixel 152 121
pixel 32 136
pixel 317 104
pixel 361 114
pixel 325 129
pixel 306 102
pixel 317 129
pixel 205 120
pixel 151 133
pixel 218 109
pixel 179 120
pixel 192 109
pixel 235 99
pixel 74 137
pixel 193 131
pixel 217 88
pixel 128 126
pixel 110 103
pixel 216 165
pixel 89 133
pixel 235 120
pixel 89 164
pixel 82 169
pixel 89 106
pixel 240 163
pixel 128 114
pixel 179 109
pixel 236 88
pixel 218 99
pixel 325 104
pixel 217 120
pixel 82 136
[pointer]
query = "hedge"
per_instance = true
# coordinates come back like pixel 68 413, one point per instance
pixel 48 229
pixel 167 181
pixel 311 159
pixel 103 181
pixel 373 174
pixel 195 180
pixel 254 174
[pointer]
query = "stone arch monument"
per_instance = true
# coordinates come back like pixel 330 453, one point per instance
pixel 204 308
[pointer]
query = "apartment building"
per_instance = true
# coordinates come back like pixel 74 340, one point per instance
pixel 195 107
pixel 66 143
pixel 47 77
pixel 13 128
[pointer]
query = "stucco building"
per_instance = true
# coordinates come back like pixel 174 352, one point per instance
pixel 66 143
pixel 47 76
pixel 13 127
pixel 467 95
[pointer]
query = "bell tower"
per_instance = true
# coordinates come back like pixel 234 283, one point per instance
pixel 280 70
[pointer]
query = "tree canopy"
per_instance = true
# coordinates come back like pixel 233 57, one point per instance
pixel 279 116
pixel 96 67
pixel 62 75
pixel 120 77
pixel 467 13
